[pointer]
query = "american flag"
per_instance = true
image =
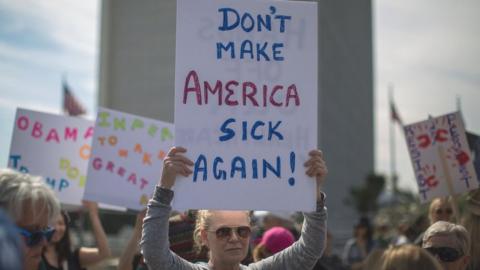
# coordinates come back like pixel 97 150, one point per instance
pixel 71 106
pixel 394 114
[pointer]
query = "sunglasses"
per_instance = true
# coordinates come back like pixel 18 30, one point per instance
pixel 34 238
pixel 445 254
pixel 440 211
pixel 226 232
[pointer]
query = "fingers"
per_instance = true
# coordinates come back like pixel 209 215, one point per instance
pixel 317 170
pixel 178 167
pixel 316 166
pixel 177 162
pixel 176 149
pixel 179 158
pixel 316 152
pixel 90 205
pixel 315 156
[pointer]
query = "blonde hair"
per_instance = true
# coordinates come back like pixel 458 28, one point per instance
pixel 19 191
pixel 434 202
pixel 408 257
pixel 373 260
pixel 203 222
pixel 260 252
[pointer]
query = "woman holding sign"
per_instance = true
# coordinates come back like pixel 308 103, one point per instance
pixel 227 233
pixel 58 253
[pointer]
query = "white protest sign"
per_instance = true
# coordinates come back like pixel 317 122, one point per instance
pixel 440 156
pixel 246 103
pixel 127 158
pixel 54 146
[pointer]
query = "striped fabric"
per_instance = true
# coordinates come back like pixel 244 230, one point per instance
pixel 71 106
pixel 180 234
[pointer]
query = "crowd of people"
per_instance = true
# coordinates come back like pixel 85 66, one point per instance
pixel 34 233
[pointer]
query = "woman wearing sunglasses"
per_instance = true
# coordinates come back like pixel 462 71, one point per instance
pixel 227 233
pixel 58 253
pixel 31 205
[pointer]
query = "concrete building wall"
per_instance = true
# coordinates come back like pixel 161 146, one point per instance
pixel 137 76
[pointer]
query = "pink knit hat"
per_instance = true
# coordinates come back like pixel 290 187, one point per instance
pixel 277 239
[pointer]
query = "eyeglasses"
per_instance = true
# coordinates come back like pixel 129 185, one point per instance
pixel 447 211
pixel 445 254
pixel 34 238
pixel 226 232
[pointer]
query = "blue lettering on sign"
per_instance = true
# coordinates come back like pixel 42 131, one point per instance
pixel 257 131
pixel 59 185
pixel 15 164
pixel 239 167
pixel 232 19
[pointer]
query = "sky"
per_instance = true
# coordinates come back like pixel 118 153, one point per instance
pixel 427 50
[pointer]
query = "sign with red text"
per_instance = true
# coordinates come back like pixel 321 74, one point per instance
pixel 441 159
pixel 127 158
pixel 246 103
pixel 53 146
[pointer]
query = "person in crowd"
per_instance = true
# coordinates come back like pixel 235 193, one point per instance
pixel 449 243
pixel 11 254
pixel 374 260
pixel 227 233
pixel 407 257
pixel 180 235
pixel 329 260
pixel 418 225
pixel 273 241
pixel 263 221
pixel 401 235
pixel 59 254
pixel 270 219
pixel 131 259
pixel 382 232
pixel 31 205
pixel 357 248
pixel 471 222
pixel 440 209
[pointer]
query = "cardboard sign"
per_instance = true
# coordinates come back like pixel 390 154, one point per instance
pixel 246 103
pixel 127 158
pixel 55 147
pixel 440 156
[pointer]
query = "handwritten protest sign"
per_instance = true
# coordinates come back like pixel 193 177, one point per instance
pixel 55 147
pixel 127 158
pixel 246 103
pixel 440 156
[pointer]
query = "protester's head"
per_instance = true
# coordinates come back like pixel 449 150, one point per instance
pixel 225 233
pixel 273 240
pixel 61 228
pixel 32 206
pixel 440 209
pixel 449 243
pixel 363 228
pixel 61 237
pixel 407 257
